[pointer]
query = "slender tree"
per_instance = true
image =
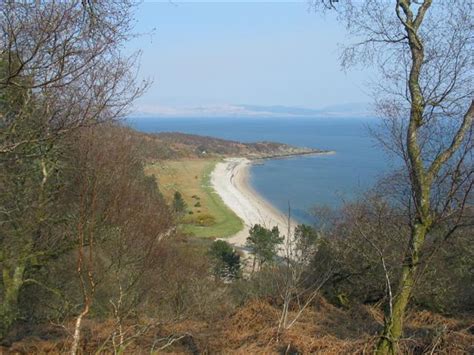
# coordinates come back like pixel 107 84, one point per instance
pixel 424 95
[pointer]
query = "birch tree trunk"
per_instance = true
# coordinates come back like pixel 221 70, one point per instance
pixel 422 178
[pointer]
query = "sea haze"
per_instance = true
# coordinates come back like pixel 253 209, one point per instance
pixel 301 182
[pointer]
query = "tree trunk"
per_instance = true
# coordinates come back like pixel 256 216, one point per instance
pixel 76 339
pixel 12 283
pixel 393 329
pixel 254 264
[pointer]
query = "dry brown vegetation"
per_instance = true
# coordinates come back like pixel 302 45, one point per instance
pixel 252 328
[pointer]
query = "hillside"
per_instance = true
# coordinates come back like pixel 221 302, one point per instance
pixel 174 145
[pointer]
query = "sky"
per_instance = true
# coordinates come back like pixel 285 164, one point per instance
pixel 224 56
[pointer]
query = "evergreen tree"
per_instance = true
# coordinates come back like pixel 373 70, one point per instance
pixel 225 259
pixel 263 244
pixel 179 205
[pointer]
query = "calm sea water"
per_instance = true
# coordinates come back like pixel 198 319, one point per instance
pixel 301 182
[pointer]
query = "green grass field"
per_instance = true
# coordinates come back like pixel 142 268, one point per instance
pixel 206 215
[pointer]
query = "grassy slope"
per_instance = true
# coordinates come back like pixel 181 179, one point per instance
pixel 192 178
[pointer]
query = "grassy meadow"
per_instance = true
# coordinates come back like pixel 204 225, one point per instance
pixel 206 215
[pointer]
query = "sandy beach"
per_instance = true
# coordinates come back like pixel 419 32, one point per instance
pixel 230 180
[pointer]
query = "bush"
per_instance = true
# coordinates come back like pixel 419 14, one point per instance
pixel 182 287
pixel 205 220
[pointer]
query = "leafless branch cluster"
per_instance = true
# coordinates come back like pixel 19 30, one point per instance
pixel 66 61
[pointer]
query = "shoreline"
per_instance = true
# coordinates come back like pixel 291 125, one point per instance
pixel 230 180
pixel 291 155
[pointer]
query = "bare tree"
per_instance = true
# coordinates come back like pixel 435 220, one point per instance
pixel 66 58
pixel 424 95
pixel 61 68
pixel 298 287
pixel 118 219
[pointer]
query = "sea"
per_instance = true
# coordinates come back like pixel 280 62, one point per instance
pixel 297 184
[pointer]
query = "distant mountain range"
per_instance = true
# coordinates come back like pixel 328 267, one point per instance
pixel 343 110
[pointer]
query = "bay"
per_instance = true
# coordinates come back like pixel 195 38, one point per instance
pixel 300 182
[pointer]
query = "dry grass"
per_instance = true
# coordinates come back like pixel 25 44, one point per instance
pixel 253 329
pixel 326 329
pixel 184 176
pixel 207 215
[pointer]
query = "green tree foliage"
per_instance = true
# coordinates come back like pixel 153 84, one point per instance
pixel 264 244
pixel 179 206
pixel 225 259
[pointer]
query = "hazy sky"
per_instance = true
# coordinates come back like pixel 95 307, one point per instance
pixel 247 52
